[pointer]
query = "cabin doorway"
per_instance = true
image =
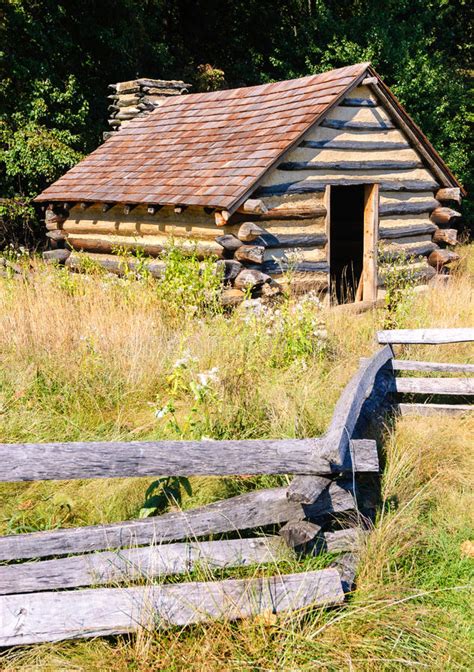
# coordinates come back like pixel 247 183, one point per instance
pixel 353 226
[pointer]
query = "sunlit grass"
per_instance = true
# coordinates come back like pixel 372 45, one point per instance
pixel 83 358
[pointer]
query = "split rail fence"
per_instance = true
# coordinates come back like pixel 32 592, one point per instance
pixel 46 577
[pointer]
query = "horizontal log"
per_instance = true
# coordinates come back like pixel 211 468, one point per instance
pixel 230 269
pixel 253 206
pixel 50 617
pixel 369 80
pixel 252 254
pixel 387 233
pixel 396 251
pixel 221 217
pixel 229 242
pixel 126 565
pixel 437 386
pixel 56 256
pixel 449 194
pixel 250 278
pixel 57 235
pixel 357 145
pixel 426 336
pixel 289 255
pixel 434 409
pixel 113 459
pixel 407 208
pixel 249 231
pixel 350 165
pixel 289 240
pixel 444 216
pixel 411 365
pixel 440 258
pixel 152 246
pixel 342 124
pixel 78 261
pixel 420 272
pixel 446 236
pixel 255 509
pixel 358 102
pixel 278 268
pixel 293 213
pixel 314 186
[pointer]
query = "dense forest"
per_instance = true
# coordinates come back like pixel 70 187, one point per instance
pixel 57 59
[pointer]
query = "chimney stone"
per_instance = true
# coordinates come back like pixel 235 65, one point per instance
pixel 137 98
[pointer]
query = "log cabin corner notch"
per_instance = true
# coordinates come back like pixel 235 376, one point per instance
pixel 326 176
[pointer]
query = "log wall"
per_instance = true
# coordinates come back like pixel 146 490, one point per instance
pixel 357 143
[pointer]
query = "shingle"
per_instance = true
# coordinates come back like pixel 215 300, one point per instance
pixel 206 148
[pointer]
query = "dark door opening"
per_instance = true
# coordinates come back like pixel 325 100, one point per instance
pixel 346 241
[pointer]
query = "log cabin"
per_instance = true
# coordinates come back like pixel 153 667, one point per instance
pixel 318 181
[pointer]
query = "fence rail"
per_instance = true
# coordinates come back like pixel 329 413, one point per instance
pixel 316 512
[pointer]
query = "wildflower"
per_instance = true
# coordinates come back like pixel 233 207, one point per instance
pixel 161 412
pixel 184 361
pixel 208 377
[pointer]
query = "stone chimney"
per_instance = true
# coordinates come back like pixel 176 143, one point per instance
pixel 139 97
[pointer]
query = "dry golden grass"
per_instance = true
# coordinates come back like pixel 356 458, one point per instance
pixel 83 358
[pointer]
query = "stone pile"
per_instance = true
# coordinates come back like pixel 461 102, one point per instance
pixel 139 97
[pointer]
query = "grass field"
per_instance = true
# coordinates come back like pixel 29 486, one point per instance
pixel 92 358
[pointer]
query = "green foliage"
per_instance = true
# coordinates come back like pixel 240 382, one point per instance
pixel 165 491
pixel 189 285
pixel 399 284
pixel 57 59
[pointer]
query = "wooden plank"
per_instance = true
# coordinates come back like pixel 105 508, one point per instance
pixel 254 509
pixel 349 405
pixel 346 414
pixel 350 165
pixel 357 145
pixel 437 386
pixel 50 617
pixel 426 336
pixel 371 225
pixel 306 489
pixel 412 365
pixel 114 459
pixel 357 125
pixel 315 186
pixel 434 409
pixel 126 565
pixel 407 208
pixel 386 233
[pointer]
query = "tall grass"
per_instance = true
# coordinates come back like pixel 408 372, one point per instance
pixel 85 357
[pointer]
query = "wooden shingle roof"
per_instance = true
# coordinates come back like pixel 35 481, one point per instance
pixel 211 149
pixel 205 149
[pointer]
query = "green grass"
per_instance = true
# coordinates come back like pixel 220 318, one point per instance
pixel 89 358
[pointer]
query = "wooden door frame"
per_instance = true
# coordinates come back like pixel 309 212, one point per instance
pixel 371 236
pixel 367 289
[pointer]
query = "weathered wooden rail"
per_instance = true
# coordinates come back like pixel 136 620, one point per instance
pixel 50 599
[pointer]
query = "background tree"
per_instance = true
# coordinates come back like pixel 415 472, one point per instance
pixel 57 59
